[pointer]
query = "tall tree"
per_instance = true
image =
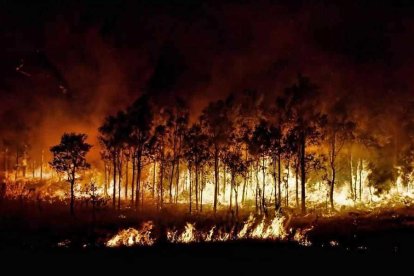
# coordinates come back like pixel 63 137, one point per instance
pixel 196 151
pixel 299 104
pixel 217 123
pixel 69 157
pixel 259 147
pixel 140 118
pixel 338 129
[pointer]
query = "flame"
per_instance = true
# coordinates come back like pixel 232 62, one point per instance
pixel 132 237
pixel 254 229
pixel 301 236
pixel 53 187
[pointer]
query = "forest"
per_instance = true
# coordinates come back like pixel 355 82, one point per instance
pixel 240 153
pixel 230 129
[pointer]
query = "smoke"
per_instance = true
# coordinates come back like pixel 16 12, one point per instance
pixel 69 64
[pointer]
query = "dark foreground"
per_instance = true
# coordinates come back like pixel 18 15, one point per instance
pixel 233 258
pixel 349 241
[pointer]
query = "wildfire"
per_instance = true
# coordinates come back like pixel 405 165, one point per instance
pixel 53 187
pixel 131 236
pixel 252 229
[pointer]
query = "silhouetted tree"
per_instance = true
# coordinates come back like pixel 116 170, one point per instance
pixel 140 119
pixel 196 151
pixel 299 103
pixel 69 157
pixel 259 147
pixel 216 121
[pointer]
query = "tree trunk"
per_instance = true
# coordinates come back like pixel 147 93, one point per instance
pixel 351 184
pixel 106 176
pixel 41 164
pixel 201 190
pixel 224 182
pixel 173 163
pixel 133 180
pixel 236 197
pixel 142 192
pixel 190 189
pixel 287 184
pixel 196 185
pixel 72 194
pixel 245 178
pixel 361 167
pixel 264 184
pixel 303 172
pixel 119 181
pixel 331 192
pixel 297 183
pixel 333 170
pixel 177 180
pixel 275 182
pixel 162 177
pixel 126 179
pixel 138 180
pixel 216 178
pixel 114 184
pixel 257 187
pixel 153 179
pixel 279 180
pixel 231 192
pixel 178 170
pixel 171 180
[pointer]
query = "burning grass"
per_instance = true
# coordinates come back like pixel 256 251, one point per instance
pixel 276 229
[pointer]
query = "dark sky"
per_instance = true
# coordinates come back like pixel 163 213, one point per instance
pixel 66 64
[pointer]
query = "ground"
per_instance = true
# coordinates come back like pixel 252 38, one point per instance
pixel 48 234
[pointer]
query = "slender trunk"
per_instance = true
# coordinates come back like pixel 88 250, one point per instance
pixel 216 178
pixel 224 182
pixel 105 178
pixel 153 179
pixel 236 197
pixel 333 170
pixel 126 179
pixel 133 180
pixel 287 183
pixel 177 181
pixel 264 184
pixel 178 170
pixel 360 178
pixel 351 184
pixel 114 184
pixel 201 190
pixel 119 181
pixel 173 164
pixel 257 187
pixel 231 191
pixel 275 182
pixel 72 194
pixel 245 178
pixel 162 176
pixel 303 172
pixel 171 180
pixel 279 179
pixel 297 182
pixel 138 180
pixel 190 189
pixel 17 165
pixel 142 192
pixel 331 192
pixel 41 164
pixel 196 186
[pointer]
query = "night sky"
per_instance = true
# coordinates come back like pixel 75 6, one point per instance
pixel 67 64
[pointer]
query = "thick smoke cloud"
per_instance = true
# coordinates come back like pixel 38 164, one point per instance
pixel 67 64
